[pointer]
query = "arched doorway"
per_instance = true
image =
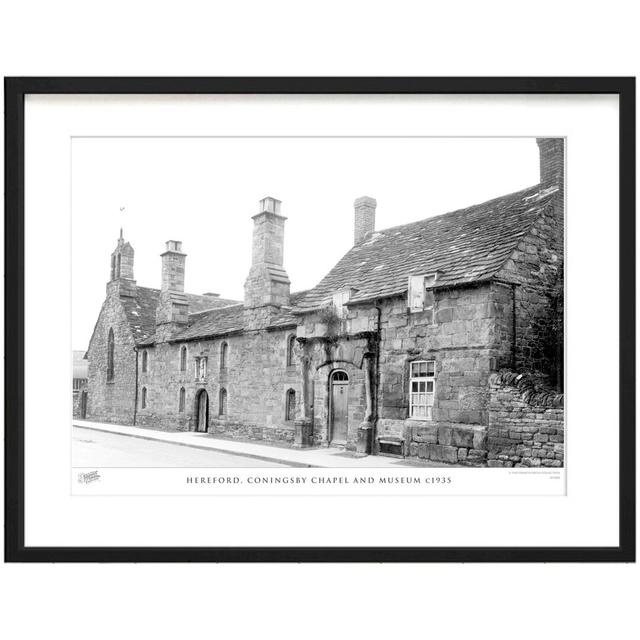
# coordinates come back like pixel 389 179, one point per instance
pixel 83 404
pixel 338 406
pixel 202 411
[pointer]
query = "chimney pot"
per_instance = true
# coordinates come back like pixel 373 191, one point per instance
pixel 270 205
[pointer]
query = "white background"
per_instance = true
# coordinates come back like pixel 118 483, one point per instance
pixel 489 38
pixel 587 516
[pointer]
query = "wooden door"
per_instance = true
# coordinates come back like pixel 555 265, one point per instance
pixel 203 412
pixel 339 406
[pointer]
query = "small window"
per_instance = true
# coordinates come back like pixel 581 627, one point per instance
pixel 201 369
pixel 422 389
pixel 416 293
pixel 143 398
pixel 145 361
pixel 181 397
pixel 224 352
pixel 222 404
pixel 340 299
pixel 110 356
pixel 339 376
pixel 290 405
pixel 183 359
pixel 291 351
pixel 118 267
pixel 113 267
pixel 420 293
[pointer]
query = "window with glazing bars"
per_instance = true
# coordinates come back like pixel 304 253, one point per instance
pixel 422 389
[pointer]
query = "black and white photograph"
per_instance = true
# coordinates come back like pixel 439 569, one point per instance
pixel 366 319
pixel 325 302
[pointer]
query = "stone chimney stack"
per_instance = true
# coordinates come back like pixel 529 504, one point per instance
pixel 551 162
pixel 552 175
pixel 267 284
pixel 173 261
pixel 121 280
pixel 364 218
pixel 173 307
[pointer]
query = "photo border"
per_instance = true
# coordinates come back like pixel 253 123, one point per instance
pixel 15 91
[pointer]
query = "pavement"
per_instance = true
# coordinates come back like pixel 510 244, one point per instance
pixel 104 450
pixel 312 457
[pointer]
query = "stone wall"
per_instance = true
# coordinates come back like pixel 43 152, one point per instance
pixel 111 401
pixel 256 379
pixel 467 334
pixel 526 423
pixel 347 354
pixel 452 443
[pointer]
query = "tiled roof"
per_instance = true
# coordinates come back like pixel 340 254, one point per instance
pixel 287 318
pixel 141 309
pixel 223 320
pixel 214 322
pixel 229 319
pixel 467 245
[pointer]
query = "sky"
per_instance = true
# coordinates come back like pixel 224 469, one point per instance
pixel 203 191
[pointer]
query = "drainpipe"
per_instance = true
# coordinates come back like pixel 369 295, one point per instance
pixel 514 331
pixel 135 405
pixel 376 414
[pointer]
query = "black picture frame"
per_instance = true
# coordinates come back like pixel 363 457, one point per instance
pixel 15 91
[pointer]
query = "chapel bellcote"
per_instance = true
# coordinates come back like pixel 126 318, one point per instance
pixel 121 280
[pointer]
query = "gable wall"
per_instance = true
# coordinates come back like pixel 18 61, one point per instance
pixel 111 401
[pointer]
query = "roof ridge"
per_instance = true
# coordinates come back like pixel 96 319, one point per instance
pixel 463 209
pixel 228 306
pixel 187 293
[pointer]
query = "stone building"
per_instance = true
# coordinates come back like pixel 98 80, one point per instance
pixel 393 352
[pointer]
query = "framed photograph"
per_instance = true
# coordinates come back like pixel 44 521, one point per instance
pixel 320 319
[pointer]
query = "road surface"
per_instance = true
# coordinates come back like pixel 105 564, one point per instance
pixel 100 449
